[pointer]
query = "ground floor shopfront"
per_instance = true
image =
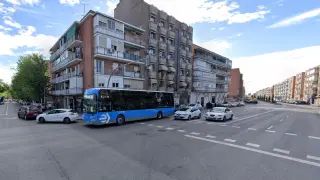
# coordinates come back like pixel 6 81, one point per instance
pixel 204 97
pixel 68 102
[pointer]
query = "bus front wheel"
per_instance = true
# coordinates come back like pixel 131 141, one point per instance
pixel 159 115
pixel 120 120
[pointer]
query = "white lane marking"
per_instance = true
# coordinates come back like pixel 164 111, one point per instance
pixel 249 117
pixel 222 125
pixel 252 129
pixel 314 137
pixel 195 133
pixel 6 109
pixel 209 136
pixel 142 123
pixel 169 128
pixel 270 131
pixel 253 145
pixel 290 134
pixel 210 123
pixel 159 126
pixel 281 151
pixel 236 127
pixel 257 151
pixel 181 130
pixel 313 157
pixel 270 127
pixel 150 124
pixel 230 140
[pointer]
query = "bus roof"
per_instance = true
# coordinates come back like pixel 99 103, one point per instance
pixel 95 90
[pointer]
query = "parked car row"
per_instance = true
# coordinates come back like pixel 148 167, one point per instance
pixel 56 115
pixel 216 113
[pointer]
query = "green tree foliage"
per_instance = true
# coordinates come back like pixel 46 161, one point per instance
pixel 3 86
pixel 31 79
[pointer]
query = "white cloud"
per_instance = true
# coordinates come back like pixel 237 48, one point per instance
pixel 5 28
pixel 26 38
pixel 10 22
pixel 200 11
pixel 265 70
pixel 217 46
pixel 20 2
pixel 69 2
pixel 296 19
pixel 111 5
pixel 7 71
pixel 221 28
pixel 6 10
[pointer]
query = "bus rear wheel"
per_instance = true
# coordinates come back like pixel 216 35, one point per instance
pixel 159 115
pixel 120 120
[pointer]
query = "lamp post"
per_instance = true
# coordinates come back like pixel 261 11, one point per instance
pixel 114 70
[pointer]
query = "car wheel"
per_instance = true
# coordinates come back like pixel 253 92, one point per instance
pixel 25 117
pixel 66 120
pixel 42 120
pixel 159 115
pixel 120 120
pixel 224 118
pixel 231 117
pixel 189 117
pixel 199 117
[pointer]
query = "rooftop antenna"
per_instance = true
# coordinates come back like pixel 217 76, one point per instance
pixel 84 8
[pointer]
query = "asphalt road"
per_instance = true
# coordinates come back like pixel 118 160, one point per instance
pixel 263 141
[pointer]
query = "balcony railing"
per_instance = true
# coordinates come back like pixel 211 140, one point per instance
pixel 72 59
pixel 134 40
pixel 211 60
pixel 72 42
pixel 106 30
pixel 72 91
pixel 117 54
pixel 64 78
pixel 133 74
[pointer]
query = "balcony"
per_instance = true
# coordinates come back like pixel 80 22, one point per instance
pixel 153 26
pixel 189 54
pixel 153 42
pixel 163 15
pixel 162 45
pixel 106 30
pixel 183 39
pixel 183 84
pixel 222 73
pixel 152 59
pixel 189 42
pixel 190 29
pixel 163 31
pixel 71 43
pixel 171 77
pixel 134 41
pixel 183 52
pixel 163 68
pixel 189 79
pixel 189 66
pixel 162 61
pixel 132 75
pixel 171 48
pixel 106 53
pixel 152 75
pixel 66 77
pixel 72 59
pixel 221 81
pixel 171 69
pixel 153 10
pixel 171 34
pixel 153 81
pixel 184 26
pixel 64 92
pixel 171 63
pixel 172 20
pixel 182 78
pixel 183 64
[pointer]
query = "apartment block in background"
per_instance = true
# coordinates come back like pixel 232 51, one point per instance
pixel 291 88
pixel 169 47
pixel 211 76
pixel 299 88
pixel 311 79
pixel 266 93
pixel 281 91
pixel 98 51
pixel 236 89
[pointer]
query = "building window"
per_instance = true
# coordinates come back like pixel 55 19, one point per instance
pixel 171 41
pixel 153 35
pixel 182 72
pixel 171 27
pixel 101 84
pixel 98 66
pixel 152 50
pixel 127 86
pixel 152 19
pixel 161 23
pixel 162 54
pixel 162 39
pixel 103 24
pixel 111 24
pixel 115 85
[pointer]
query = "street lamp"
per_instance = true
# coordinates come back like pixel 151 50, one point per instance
pixel 114 70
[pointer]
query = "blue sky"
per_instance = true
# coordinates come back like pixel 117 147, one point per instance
pixel 269 40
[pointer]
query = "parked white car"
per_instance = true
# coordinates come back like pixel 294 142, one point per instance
pixel 198 106
pixel 58 115
pixel 219 113
pixel 187 113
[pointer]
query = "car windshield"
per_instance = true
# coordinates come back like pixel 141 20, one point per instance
pixel 184 109
pixel 218 110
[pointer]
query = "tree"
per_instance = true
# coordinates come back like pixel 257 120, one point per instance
pixel 31 79
pixel 3 86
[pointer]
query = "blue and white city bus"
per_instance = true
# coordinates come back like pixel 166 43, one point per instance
pixel 107 106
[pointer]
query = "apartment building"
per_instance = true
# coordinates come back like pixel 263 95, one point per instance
pixel 281 91
pixel 266 93
pixel 97 51
pixel 211 76
pixel 236 89
pixel 311 85
pixel 169 47
pixel 291 88
pixel 299 88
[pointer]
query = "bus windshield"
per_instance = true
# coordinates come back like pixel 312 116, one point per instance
pixel 90 103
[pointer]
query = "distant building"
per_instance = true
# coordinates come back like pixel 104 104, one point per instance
pixel 211 76
pixel 299 88
pixel 236 89
pixel 311 79
pixel 98 51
